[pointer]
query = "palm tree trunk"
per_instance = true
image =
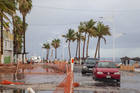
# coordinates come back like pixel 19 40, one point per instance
pixel 51 54
pixel 69 50
pixel 97 48
pixel 55 53
pixel 84 46
pixel 17 58
pixel 76 49
pixel 87 47
pixel 14 42
pixel 1 36
pixel 47 54
pixel 79 51
pixel 24 48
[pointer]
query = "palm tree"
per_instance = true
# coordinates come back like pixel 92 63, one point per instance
pixel 47 47
pixel 6 7
pixel 79 37
pixel 102 30
pixel 55 43
pixel 18 34
pixel 17 30
pixel 90 29
pixel 82 29
pixel 24 8
pixel 70 36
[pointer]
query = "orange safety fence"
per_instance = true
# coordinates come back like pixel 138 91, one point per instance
pixel 58 66
pixel 66 86
pixel 6 82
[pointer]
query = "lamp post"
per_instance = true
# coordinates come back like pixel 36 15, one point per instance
pixel 111 19
pixel 114 34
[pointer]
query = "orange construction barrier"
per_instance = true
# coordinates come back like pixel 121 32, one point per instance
pixel 67 85
pixel 127 68
pixel 6 82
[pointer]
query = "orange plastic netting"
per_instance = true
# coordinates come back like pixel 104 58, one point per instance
pixel 66 86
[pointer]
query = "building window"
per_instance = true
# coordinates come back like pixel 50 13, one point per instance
pixel 10 44
pixel 5 44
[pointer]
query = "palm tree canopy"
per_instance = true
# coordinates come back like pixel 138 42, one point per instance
pixel 8 7
pixel 46 46
pixel 79 36
pixel 25 6
pixel 70 36
pixel 18 25
pixel 82 27
pixel 102 30
pixel 90 28
pixel 55 43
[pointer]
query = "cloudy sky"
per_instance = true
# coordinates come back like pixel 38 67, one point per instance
pixel 50 19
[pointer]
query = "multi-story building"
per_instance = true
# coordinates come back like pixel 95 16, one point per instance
pixel 7 47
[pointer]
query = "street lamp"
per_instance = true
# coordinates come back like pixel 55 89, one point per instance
pixel 115 35
pixel 110 19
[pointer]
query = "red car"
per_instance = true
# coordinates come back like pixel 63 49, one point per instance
pixel 105 70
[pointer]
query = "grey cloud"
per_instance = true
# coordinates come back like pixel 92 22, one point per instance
pixel 50 16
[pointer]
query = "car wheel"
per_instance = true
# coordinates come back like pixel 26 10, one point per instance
pixel 83 73
pixel 118 80
pixel 94 78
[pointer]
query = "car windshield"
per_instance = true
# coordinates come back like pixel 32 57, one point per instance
pixel 106 65
pixel 90 61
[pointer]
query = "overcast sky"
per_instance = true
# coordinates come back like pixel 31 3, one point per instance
pixel 50 19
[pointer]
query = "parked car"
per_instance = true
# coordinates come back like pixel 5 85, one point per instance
pixel 88 65
pixel 106 70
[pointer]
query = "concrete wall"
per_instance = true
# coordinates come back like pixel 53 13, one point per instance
pixel 7 47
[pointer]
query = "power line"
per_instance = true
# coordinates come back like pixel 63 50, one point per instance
pixel 84 10
pixel 53 24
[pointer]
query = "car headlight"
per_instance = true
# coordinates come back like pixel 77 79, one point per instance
pixel 117 73
pixel 84 66
pixel 99 72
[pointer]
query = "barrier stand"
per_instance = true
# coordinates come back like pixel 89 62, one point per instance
pixel 30 90
pixel 68 84
pixel 72 66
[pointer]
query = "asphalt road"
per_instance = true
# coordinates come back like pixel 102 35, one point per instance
pixel 130 83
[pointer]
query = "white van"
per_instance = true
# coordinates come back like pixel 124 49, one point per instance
pixel 36 59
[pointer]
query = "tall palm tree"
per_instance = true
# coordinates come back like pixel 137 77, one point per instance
pixel 25 7
pixel 90 29
pixel 47 47
pixel 55 43
pixel 17 30
pixel 6 7
pixel 18 34
pixel 70 36
pixel 78 37
pixel 82 29
pixel 102 30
